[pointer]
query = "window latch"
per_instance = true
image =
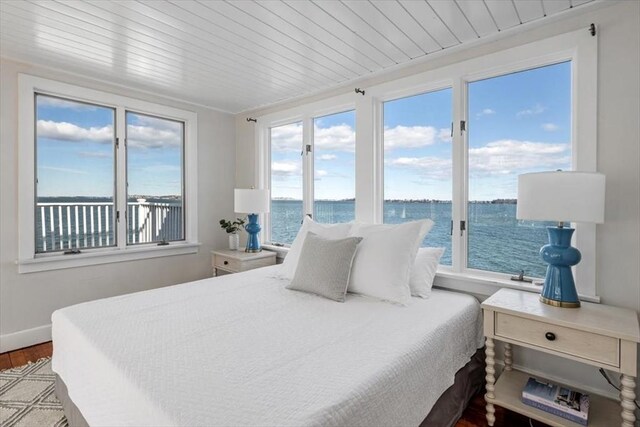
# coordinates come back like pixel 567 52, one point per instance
pixel 520 278
pixel 463 227
pixel 72 252
pixel 463 126
pixel 163 242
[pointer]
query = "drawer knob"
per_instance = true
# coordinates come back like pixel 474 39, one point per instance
pixel 226 263
pixel 550 336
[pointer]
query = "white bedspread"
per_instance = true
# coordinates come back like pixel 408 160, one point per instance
pixel 243 350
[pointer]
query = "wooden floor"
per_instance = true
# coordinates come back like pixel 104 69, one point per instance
pixel 474 415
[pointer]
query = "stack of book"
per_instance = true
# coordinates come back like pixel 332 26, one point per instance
pixel 554 399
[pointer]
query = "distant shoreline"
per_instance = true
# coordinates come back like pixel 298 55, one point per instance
pixel 493 202
pixel 178 198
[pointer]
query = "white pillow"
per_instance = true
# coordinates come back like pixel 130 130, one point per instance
pixel 384 259
pixel 424 271
pixel 325 266
pixel 328 231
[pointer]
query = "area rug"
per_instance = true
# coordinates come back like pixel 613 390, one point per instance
pixel 27 397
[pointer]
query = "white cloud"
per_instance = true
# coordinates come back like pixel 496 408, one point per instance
pixel 512 156
pixel 485 112
pixel 550 127
pixel 335 138
pixel 430 167
pixel 327 157
pixel 95 154
pixel 156 122
pixel 162 133
pixel 533 111
pixel 152 137
pixel 63 170
pixel 409 136
pixel 445 135
pixel 287 137
pixel 319 174
pixel 160 168
pixel 286 169
pixel 343 138
pixel 50 101
pixel 503 157
pixel 63 131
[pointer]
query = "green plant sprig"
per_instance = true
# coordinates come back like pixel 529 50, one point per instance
pixel 232 227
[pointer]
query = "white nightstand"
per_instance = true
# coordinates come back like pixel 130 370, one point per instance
pixel 236 261
pixel 594 334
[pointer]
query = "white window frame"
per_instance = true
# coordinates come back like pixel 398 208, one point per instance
pixel 305 114
pixel 28 260
pixel 580 48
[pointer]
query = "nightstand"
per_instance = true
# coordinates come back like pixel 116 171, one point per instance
pixel 594 334
pixel 236 261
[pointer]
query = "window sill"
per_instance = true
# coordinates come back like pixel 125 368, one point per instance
pixel 281 251
pixel 486 285
pixel 479 284
pixel 57 262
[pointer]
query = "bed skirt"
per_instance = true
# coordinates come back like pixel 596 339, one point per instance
pixel 469 380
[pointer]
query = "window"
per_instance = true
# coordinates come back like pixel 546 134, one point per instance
pixel 417 164
pixel 448 144
pixel 155 205
pixel 334 186
pixel 101 174
pixel 287 209
pixel 518 123
pixel 309 166
pixel 75 166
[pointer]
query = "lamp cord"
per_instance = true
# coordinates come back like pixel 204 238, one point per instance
pixel 606 377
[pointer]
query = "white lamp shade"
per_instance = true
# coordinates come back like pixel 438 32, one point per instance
pixel 251 201
pixel 561 196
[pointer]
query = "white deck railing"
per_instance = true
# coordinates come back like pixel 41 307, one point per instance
pixel 77 225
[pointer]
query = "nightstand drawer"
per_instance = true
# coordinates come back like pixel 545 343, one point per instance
pixel 227 263
pixel 237 261
pixel 585 345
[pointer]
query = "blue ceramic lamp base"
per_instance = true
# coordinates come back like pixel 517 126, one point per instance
pixel 559 288
pixel 253 228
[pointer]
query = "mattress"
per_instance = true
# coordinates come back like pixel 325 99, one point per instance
pixel 243 350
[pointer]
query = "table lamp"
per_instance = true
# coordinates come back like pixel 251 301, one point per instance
pixel 252 202
pixel 562 197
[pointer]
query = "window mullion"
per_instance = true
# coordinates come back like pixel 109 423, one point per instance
pixel 263 137
pixel 459 172
pixel 307 165
pixel 120 178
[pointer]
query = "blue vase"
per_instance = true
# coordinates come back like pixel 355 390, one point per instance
pixel 253 228
pixel 559 288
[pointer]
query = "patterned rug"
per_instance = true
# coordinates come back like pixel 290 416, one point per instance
pixel 27 397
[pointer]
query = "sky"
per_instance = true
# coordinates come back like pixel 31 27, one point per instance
pixel 76 151
pixel 517 123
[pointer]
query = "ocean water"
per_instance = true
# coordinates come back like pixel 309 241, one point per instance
pixel 497 241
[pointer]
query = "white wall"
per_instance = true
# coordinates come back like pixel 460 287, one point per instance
pixel 618 239
pixel 27 300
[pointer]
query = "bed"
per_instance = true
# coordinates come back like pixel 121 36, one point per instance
pixel 242 350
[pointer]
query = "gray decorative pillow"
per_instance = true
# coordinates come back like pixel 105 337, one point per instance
pixel 325 266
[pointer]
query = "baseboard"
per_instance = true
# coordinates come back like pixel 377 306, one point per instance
pixel 25 338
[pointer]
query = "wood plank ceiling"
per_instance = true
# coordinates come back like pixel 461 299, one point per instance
pixel 241 54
